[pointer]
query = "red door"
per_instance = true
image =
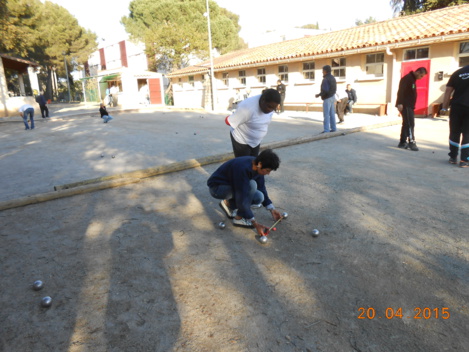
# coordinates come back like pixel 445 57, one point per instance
pixel 154 88
pixel 421 106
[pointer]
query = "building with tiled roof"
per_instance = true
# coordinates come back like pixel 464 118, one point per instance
pixel 371 57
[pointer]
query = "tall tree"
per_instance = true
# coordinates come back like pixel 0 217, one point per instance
pixel 46 33
pixel 408 7
pixel 176 30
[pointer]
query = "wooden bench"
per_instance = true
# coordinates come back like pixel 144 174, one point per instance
pixel 379 109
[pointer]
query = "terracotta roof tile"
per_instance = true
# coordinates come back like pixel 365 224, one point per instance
pixel 432 24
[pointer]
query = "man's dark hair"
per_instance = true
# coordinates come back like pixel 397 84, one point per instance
pixel 422 70
pixel 271 96
pixel 269 159
pixel 327 68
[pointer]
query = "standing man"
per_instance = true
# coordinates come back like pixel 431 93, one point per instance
pixel 240 185
pixel 458 87
pixel 41 100
pixel 250 122
pixel 327 94
pixel 281 88
pixel 26 111
pixel 352 99
pixel 406 99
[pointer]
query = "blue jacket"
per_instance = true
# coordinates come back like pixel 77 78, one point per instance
pixel 237 173
pixel 328 87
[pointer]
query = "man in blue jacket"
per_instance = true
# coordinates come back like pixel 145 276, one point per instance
pixel 327 94
pixel 240 184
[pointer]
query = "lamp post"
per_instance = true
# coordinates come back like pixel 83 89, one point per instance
pixel 66 77
pixel 212 74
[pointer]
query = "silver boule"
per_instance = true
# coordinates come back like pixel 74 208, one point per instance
pixel 46 302
pixel 315 233
pixel 263 239
pixel 284 215
pixel 221 225
pixel 38 285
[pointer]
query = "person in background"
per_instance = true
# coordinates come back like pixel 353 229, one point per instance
pixel 282 89
pixel 341 104
pixel 27 111
pixel 104 115
pixel 327 94
pixel 41 100
pixel 250 122
pixel 457 94
pixel 352 99
pixel 405 103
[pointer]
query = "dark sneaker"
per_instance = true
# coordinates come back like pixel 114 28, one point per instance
pixel 412 146
pixel 227 210
pixel 452 161
pixel 464 164
pixel 243 223
pixel 402 145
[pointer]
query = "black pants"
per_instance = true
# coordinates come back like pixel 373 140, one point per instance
pixel 243 149
pixel 44 109
pixel 341 105
pixel 459 132
pixel 282 99
pixel 408 124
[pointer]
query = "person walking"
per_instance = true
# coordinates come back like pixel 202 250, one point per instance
pixel 250 122
pixel 341 104
pixel 282 89
pixel 327 94
pixel 41 100
pixel 27 112
pixel 457 94
pixel 405 103
pixel 240 185
pixel 352 99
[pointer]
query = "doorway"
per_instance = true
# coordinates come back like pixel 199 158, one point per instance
pixel 422 85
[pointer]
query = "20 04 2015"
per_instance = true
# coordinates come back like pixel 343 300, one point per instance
pixel 391 313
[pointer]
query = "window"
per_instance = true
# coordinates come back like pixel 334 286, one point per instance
pixel 416 54
pixel 375 65
pixel 191 80
pixel 463 54
pixel 308 70
pixel 261 75
pixel 283 73
pixel 225 78
pixel 242 77
pixel 338 67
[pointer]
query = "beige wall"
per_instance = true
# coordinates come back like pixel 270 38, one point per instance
pixel 379 90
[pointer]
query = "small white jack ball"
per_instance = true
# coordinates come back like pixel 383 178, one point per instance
pixel 46 302
pixel 221 225
pixel 315 233
pixel 38 285
pixel 263 239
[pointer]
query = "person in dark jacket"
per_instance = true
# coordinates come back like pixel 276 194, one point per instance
pixel 282 89
pixel 457 93
pixel 240 184
pixel 352 99
pixel 104 114
pixel 41 100
pixel 405 103
pixel 327 94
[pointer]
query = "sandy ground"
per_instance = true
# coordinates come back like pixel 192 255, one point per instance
pixel 145 267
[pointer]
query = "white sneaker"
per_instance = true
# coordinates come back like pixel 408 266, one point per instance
pixel 242 223
pixel 256 206
pixel 229 213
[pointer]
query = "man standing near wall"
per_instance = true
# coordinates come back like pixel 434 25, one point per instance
pixel 406 99
pixel 281 88
pixel 458 87
pixel 41 100
pixel 327 94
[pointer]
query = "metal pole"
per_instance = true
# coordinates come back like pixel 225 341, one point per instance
pixel 212 74
pixel 66 77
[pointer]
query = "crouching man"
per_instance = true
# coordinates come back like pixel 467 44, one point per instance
pixel 240 184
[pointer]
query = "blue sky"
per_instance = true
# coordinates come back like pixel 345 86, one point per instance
pixel 103 16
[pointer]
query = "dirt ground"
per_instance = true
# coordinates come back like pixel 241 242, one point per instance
pixel 145 267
